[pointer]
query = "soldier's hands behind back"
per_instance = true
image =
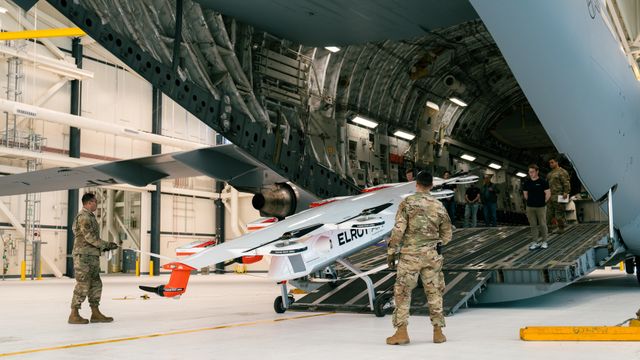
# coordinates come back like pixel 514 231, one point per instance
pixel 391 261
pixel 112 246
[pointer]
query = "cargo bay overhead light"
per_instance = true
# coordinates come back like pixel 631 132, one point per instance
pixel 333 49
pixel 458 102
pixel 364 122
pixel 521 174
pixel 404 134
pixel 495 166
pixel 433 105
pixel 468 157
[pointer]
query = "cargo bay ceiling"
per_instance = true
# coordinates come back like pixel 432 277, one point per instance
pixel 258 73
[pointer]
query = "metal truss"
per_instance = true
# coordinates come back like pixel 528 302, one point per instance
pixel 284 153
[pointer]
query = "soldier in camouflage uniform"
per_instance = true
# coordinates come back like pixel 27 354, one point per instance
pixel 422 227
pixel 559 184
pixel 87 248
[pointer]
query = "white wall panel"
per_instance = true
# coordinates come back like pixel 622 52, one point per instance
pixel 117 96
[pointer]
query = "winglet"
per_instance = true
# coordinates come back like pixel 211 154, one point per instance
pixel 177 282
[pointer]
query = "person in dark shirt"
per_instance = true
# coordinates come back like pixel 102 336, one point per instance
pixel 537 193
pixel 449 203
pixel 472 202
pixel 489 198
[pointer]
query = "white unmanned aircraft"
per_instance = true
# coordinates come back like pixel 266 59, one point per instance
pixel 308 242
pixel 312 235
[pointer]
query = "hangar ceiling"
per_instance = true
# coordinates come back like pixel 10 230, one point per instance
pixel 269 84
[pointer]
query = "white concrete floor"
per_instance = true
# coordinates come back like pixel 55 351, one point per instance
pixel 33 316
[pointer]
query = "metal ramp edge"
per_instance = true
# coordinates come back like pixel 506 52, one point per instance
pixel 351 295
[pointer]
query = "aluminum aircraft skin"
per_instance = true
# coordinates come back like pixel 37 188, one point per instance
pixel 308 242
pixel 574 72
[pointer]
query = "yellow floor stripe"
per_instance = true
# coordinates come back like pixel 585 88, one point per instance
pixel 170 333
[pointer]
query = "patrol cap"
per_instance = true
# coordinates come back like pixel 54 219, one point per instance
pixel 424 178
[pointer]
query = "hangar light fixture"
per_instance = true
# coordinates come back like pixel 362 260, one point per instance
pixel 521 174
pixel 364 122
pixel 3 10
pixel 495 166
pixel 468 157
pixel 458 102
pixel 405 135
pixel 333 49
pixel 433 105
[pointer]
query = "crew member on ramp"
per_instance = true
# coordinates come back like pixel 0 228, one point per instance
pixel 422 227
pixel 560 185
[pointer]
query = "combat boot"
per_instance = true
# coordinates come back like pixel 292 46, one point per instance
pixel 75 317
pixel 401 336
pixel 97 316
pixel 561 227
pixel 438 336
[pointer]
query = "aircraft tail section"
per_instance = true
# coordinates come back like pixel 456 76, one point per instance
pixel 177 282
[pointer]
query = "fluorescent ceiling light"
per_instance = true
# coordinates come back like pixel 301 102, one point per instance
pixel 495 166
pixel 3 10
pixel 333 49
pixel 468 157
pixel 364 122
pixel 433 105
pixel 521 174
pixel 457 101
pixel 405 135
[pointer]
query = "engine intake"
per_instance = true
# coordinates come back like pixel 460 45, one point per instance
pixel 452 83
pixel 278 200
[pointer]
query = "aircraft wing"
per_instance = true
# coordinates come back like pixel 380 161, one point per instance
pixel 224 162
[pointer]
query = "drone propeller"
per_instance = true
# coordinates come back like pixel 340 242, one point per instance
pixel 293 234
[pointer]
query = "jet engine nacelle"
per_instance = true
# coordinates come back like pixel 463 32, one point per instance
pixel 452 83
pixel 278 200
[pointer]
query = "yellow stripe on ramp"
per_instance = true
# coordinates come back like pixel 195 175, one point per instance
pixel 169 333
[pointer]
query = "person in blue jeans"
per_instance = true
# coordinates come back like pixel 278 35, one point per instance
pixel 472 202
pixel 450 203
pixel 489 198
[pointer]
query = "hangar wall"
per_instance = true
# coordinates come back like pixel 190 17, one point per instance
pixel 116 96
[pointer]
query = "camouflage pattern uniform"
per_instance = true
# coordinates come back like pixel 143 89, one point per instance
pixel 421 223
pixel 558 180
pixel 87 248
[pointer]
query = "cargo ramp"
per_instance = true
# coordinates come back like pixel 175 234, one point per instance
pixel 482 265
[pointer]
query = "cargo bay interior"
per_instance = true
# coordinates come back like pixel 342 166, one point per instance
pixel 322 101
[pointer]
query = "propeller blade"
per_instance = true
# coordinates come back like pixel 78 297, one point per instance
pixel 293 234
